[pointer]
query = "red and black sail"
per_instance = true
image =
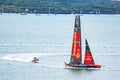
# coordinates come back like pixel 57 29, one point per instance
pixel 88 60
pixel 76 53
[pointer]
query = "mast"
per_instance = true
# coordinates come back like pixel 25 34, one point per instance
pixel 76 53
pixel 88 60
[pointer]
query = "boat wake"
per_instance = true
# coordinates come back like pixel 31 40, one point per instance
pixel 28 57
pixel 49 60
pixel 46 60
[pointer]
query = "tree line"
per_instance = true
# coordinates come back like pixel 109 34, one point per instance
pixel 60 6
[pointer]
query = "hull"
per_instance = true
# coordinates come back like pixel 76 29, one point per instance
pixel 35 61
pixel 82 66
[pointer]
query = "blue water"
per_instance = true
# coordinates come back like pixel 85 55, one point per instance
pixel 31 33
pixel 49 38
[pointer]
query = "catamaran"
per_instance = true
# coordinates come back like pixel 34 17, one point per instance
pixel 76 53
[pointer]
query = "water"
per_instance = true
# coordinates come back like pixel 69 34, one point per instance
pixel 49 38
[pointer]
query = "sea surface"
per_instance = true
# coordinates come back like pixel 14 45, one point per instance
pixel 49 38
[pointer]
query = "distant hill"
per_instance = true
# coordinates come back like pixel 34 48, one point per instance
pixel 60 6
pixel 74 1
pixel 115 0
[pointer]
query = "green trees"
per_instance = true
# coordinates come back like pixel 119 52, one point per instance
pixel 60 6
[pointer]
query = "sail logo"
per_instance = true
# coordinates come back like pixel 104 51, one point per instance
pixel 77 21
pixel 76 55
pixel 75 41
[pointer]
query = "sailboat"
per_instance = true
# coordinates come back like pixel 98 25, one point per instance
pixel 76 52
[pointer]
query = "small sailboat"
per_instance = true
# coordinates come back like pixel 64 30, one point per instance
pixel 76 53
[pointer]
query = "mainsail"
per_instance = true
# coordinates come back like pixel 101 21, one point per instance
pixel 76 53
